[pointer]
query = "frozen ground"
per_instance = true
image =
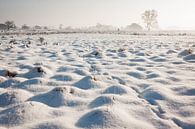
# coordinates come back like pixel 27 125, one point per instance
pixel 97 81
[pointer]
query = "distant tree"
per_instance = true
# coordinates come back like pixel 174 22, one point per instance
pixel 101 27
pixel 134 27
pixel 98 25
pixel 150 18
pixel 25 27
pixel 37 27
pixel 3 26
pixel 45 28
pixel 10 25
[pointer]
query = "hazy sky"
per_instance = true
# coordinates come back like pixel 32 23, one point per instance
pixel 172 13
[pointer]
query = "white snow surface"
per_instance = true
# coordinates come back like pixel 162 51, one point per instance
pixel 97 81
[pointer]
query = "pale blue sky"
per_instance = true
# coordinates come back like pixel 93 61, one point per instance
pixel 78 13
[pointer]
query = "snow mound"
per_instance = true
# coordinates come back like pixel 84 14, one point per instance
pixel 95 53
pixel 61 77
pixel 88 82
pixel 101 101
pixel 78 92
pixel 142 54
pixel 123 54
pixel 57 97
pixel 12 82
pixel 141 69
pixel 109 119
pixel 35 85
pixel 116 90
pixel 137 75
pixel 14 97
pixel 171 51
pixel 122 49
pixel 8 73
pixel 152 75
pixel 25 113
pixel 158 59
pixel 190 58
pixel 151 94
pixel 37 72
pixel 29 82
pixel 82 72
pixel 185 52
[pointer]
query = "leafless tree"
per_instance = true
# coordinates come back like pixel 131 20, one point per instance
pixel 25 27
pixel 150 18
pixel 10 25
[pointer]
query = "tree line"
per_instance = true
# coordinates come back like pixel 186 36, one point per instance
pixel 10 25
pixel 149 17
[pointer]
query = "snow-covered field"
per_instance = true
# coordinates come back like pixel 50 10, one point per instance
pixel 97 81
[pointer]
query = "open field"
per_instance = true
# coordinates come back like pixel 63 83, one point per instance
pixel 110 81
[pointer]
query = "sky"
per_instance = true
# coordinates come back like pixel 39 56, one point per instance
pixel 79 13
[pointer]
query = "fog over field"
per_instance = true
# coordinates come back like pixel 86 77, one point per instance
pixel 97 64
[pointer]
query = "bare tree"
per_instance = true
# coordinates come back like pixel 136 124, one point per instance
pixel 3 27
pixel 10 25
pixel 37 27
pixel 45 28
pixel 25 27
pixel 150 18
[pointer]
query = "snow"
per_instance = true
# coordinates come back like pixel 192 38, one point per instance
pixel 97 81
